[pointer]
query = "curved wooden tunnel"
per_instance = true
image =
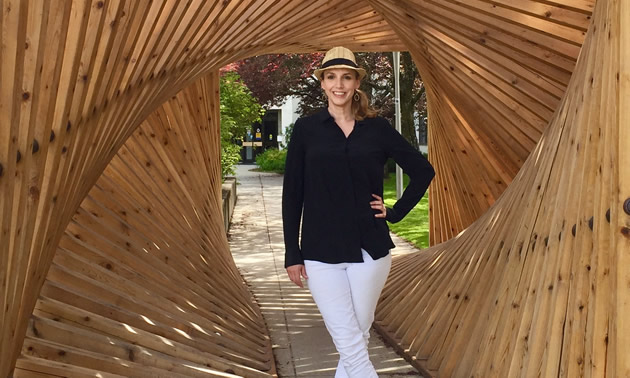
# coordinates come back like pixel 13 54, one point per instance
pixel 143 271
pixel 114 258
pixel 537 286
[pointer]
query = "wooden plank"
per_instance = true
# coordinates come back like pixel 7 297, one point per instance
pixel 622 323
pixel 93 323
pixel 28 366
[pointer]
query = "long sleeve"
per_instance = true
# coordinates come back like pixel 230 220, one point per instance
pixel 415 165
pixel 293 196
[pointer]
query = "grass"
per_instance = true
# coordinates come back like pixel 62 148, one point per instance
pixel 415 226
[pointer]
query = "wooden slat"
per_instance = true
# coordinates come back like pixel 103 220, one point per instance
pixel 30 367
pixel 621 31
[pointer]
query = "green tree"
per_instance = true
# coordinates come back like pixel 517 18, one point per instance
pixel 239 110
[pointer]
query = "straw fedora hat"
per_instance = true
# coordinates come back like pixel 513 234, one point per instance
pixel 339 57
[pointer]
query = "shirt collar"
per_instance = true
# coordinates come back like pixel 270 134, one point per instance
pixel 324 116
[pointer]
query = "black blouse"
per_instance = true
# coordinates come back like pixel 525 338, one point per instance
pixel 328 183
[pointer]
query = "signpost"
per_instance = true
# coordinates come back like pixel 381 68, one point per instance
pixel 399 173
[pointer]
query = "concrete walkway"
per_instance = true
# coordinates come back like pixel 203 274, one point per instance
pixel 301 344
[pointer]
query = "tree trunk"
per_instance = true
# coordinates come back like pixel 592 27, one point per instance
pixel 408 75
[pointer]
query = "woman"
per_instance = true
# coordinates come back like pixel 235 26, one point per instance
pixel 333 183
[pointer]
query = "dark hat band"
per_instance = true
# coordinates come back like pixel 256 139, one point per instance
pixel 339 61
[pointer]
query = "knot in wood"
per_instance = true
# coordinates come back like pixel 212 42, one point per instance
pixel 34 193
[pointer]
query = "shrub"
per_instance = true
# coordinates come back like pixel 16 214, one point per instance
pixel 230 156
pixel 272 160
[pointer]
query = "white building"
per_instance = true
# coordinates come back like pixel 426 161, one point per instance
pixel 271 131
pixel 287 116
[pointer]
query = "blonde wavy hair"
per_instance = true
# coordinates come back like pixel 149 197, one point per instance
pixel 362 109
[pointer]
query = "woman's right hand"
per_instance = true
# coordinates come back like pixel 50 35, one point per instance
pixel 295 271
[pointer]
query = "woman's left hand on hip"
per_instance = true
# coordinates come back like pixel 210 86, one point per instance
pixel 379 205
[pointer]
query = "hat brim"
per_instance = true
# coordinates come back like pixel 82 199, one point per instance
pixel 320 71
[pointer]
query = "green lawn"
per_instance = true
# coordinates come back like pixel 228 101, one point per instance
pixel 415 226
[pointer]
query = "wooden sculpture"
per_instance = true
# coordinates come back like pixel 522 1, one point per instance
pixel 113 258
pixel 539 285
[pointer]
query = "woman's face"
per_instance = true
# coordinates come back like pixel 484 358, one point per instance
pixel 339 85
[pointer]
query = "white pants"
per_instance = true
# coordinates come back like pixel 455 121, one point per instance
pixel 346 295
